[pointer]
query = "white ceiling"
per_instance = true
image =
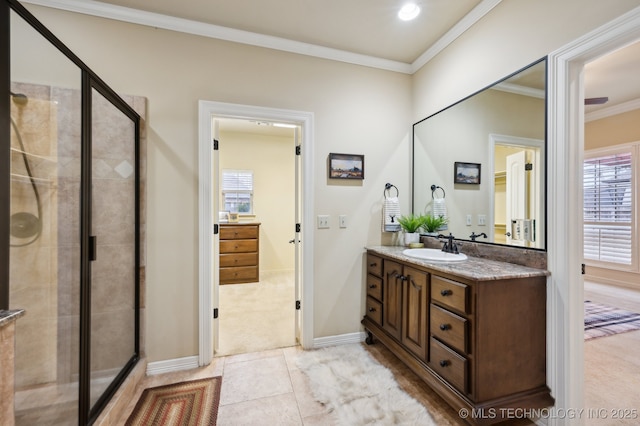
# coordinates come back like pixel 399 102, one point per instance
pixel 366 27
pixel 367 32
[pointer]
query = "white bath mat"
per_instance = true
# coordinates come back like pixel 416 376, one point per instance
pixel 358 390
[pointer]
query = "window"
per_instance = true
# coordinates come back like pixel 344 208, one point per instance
pixel 609 215
pixel 237 191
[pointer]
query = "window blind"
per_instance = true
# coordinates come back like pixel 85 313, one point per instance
pixel 237 190
pixel 608 208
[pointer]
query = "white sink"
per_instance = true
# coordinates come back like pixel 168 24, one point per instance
pixel 435 255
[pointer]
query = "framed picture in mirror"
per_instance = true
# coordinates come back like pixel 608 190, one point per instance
pixel 468 173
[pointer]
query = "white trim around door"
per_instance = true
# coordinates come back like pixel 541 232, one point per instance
pixel 565 325
pixel 209 110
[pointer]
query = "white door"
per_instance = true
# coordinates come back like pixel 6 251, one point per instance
pixel 215 164
pixel 516 198
pixel 296 237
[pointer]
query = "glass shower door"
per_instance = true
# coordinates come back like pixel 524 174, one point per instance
pixel 113 226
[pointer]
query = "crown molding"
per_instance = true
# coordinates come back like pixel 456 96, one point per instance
pixel 612 110
pixel 456 31
pixel 520 90
pixel 156 20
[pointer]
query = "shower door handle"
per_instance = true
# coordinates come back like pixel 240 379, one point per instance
pixel 93 247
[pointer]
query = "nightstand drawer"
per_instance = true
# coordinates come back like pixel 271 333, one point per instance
pixel 374 287
pixel 239 275
pixel 449 293
pixel 374 310
pixel 238 259
pixel 449 365
pixel 449 328
pixel 245 232
pixel 238 246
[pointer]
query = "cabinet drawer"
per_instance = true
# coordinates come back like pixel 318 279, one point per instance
pixel 238 246
pixel 449 293
pixel 374 310
pixel 240 259
pixel 449 365
pixel 239 274
pixel 374 287
pixel 449 328
pixel 238 232
pixel 374 265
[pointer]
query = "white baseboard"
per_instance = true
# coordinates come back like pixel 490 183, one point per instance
pixel 170 365
pixel 189 362
pixel 342 339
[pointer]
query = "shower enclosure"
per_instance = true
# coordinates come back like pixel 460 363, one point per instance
pixel 69 225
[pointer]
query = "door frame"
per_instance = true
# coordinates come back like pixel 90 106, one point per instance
pixel 565 285
pixel 208 110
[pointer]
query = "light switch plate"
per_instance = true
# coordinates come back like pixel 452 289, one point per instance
pixel 323 221
pixel 482 219
pixel 342 220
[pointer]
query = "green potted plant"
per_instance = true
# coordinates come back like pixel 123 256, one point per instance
pixel 432 224
pixel 411 225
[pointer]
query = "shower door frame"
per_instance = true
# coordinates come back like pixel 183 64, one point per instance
pixel 90 81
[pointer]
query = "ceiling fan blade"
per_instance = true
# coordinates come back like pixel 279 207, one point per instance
pixel 596 101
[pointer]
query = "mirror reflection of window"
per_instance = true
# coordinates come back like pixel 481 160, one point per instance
pixel 237 191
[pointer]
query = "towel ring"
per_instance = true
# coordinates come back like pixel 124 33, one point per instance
pixel 387 187
pixel 434 188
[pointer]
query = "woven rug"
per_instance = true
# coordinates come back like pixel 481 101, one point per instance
pixel 358 390
pixel 602 320
pixel 193 403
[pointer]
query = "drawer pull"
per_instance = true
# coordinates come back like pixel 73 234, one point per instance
pixel 446 292
pixel 373 286
pixel 372 309
pixel 373 264
pixel 444 363
pixel 445 327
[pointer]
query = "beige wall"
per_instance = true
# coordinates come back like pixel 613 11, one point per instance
pixel 512 35
pixel 615 130
pixel 356 110
pixel 271 159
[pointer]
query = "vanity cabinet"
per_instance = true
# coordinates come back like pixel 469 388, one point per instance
pixel 479 340
pixel 239 253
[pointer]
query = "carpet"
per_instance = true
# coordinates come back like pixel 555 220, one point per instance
pixel 602 320
pixel 192 403
pixel 357 390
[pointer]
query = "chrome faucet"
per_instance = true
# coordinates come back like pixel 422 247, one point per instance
pixel 473 235
pixel 449 246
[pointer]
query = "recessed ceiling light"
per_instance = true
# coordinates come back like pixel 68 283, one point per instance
pixel 409 11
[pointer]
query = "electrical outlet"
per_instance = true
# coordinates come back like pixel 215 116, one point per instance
pixel 323 221
pixel 482 220
pixel 342 219
pixel 468 220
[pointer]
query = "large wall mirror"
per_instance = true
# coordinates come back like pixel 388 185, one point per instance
pixel 486 156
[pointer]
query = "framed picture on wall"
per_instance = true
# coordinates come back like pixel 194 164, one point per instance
pixel 466 173
pixel 346 166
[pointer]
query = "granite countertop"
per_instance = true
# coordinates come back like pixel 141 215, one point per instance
pixel 474 268
pixel 7 317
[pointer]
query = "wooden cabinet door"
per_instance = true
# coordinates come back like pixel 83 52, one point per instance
pixel 392 295
pixel 415 306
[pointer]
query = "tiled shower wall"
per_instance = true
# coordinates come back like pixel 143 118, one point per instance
pixel 45 275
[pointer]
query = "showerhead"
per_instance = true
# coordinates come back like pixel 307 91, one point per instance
pixel 19 98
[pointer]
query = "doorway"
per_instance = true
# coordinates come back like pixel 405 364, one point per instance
pixel 255 178
pixel 301 231
pixel 565 328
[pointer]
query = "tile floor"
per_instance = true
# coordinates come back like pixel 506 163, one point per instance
pixel 266 388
